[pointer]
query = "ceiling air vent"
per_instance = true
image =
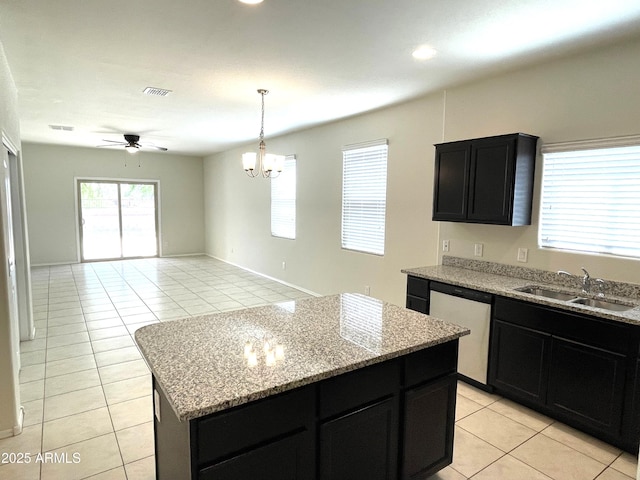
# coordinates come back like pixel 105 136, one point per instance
pixel 158 92
pixel 64 128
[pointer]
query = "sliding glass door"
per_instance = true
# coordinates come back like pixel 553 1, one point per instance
pixel 117 219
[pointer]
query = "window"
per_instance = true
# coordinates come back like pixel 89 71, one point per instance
pixel 364 196
pixel 591 197
pixel 283 201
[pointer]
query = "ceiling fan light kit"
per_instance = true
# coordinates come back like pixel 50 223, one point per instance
pixel 266 163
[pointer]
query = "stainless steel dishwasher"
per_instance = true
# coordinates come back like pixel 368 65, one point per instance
pixel 471 309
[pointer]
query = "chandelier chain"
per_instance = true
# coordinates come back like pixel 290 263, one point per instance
pixel 262 93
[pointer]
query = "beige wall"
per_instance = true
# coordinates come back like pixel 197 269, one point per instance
pixel 237 207
pixel 9 392
pixel 587 96
pixel 49 173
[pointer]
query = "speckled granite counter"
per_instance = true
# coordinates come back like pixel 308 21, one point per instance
pixel 503 280
pixel 202 363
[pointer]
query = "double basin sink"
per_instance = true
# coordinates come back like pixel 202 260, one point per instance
pixel 572 298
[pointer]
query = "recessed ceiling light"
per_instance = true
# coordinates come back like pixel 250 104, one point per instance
pixel 251 2
pixel 424 52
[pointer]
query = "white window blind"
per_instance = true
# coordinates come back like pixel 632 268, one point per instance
pixel 591 198
pixel 283 200
pixel 364 196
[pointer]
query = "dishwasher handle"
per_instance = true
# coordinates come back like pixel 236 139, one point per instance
pixel 461 292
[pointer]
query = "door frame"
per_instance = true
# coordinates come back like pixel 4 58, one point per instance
pixel 77 193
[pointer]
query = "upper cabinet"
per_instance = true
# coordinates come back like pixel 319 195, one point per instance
pixel 485 180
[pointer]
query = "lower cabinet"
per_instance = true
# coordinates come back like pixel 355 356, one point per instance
pixel 429 418
pixel 361 444
pixel 572 367
pixel 632 417
pixel 387 421
pixel 285 459
pixel 519 361
pixel 587 384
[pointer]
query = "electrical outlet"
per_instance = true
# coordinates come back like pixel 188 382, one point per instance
pixel 367 290
pixel 284 265
pixel 156 404
pixel 523 254
pixel 477 249
pixel 445 245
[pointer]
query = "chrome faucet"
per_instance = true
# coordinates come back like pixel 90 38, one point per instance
pixel 586 281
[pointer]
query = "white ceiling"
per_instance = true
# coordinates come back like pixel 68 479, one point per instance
pixel 84 63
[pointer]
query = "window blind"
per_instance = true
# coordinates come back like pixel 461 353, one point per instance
pixel 364 196
pixel 591 199
pixel 283 200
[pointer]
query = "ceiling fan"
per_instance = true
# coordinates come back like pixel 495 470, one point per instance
pixel 131 144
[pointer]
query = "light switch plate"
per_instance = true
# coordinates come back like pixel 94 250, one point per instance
pixel 445 245
pixel 477 249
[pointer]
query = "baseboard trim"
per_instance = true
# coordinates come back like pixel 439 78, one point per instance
pixel 292 285
pixel 17 429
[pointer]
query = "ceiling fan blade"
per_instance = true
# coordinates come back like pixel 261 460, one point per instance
pixel 150 145
pixel 118 142
pixel 111 145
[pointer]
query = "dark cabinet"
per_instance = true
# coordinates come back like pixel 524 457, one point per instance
pixel 429 417
pixel 572 367
pixel 519 361
pixel 375 422
pixel 361 444
pixel 632 417
pixel 285 459
pixel 418 294
pixel 587 384
pixel 485 180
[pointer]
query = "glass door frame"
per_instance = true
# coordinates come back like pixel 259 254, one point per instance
pixel 118 182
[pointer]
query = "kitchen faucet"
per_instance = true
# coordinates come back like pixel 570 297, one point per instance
pixel 586 279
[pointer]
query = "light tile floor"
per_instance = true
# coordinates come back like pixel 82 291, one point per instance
pixel 86 390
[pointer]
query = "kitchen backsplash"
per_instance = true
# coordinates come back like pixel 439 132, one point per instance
pixel 612 288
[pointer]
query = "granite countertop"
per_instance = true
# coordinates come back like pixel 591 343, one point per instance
pixel 203 363
pixel 506 283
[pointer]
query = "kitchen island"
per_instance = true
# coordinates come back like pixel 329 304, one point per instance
pixel 344 386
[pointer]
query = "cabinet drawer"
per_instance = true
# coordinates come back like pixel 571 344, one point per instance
pixel 417 304
pixel 594 331
pixel 430 363
pixel 288 459
pixel 353 389
pixel 418 287
pixel 223 434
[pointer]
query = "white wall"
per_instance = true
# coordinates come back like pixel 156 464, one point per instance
pixel 9 392
pixel 591 95
pixel 49 173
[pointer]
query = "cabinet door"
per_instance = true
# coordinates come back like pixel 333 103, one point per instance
pixel 491 180
pixel 633 418
pixel 362 444
pixel 451 181
pixel 519 362
pixel 587 384
pixel 428 428
pixel 286 459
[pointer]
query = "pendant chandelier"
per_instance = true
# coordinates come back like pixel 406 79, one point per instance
pixel 269 165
